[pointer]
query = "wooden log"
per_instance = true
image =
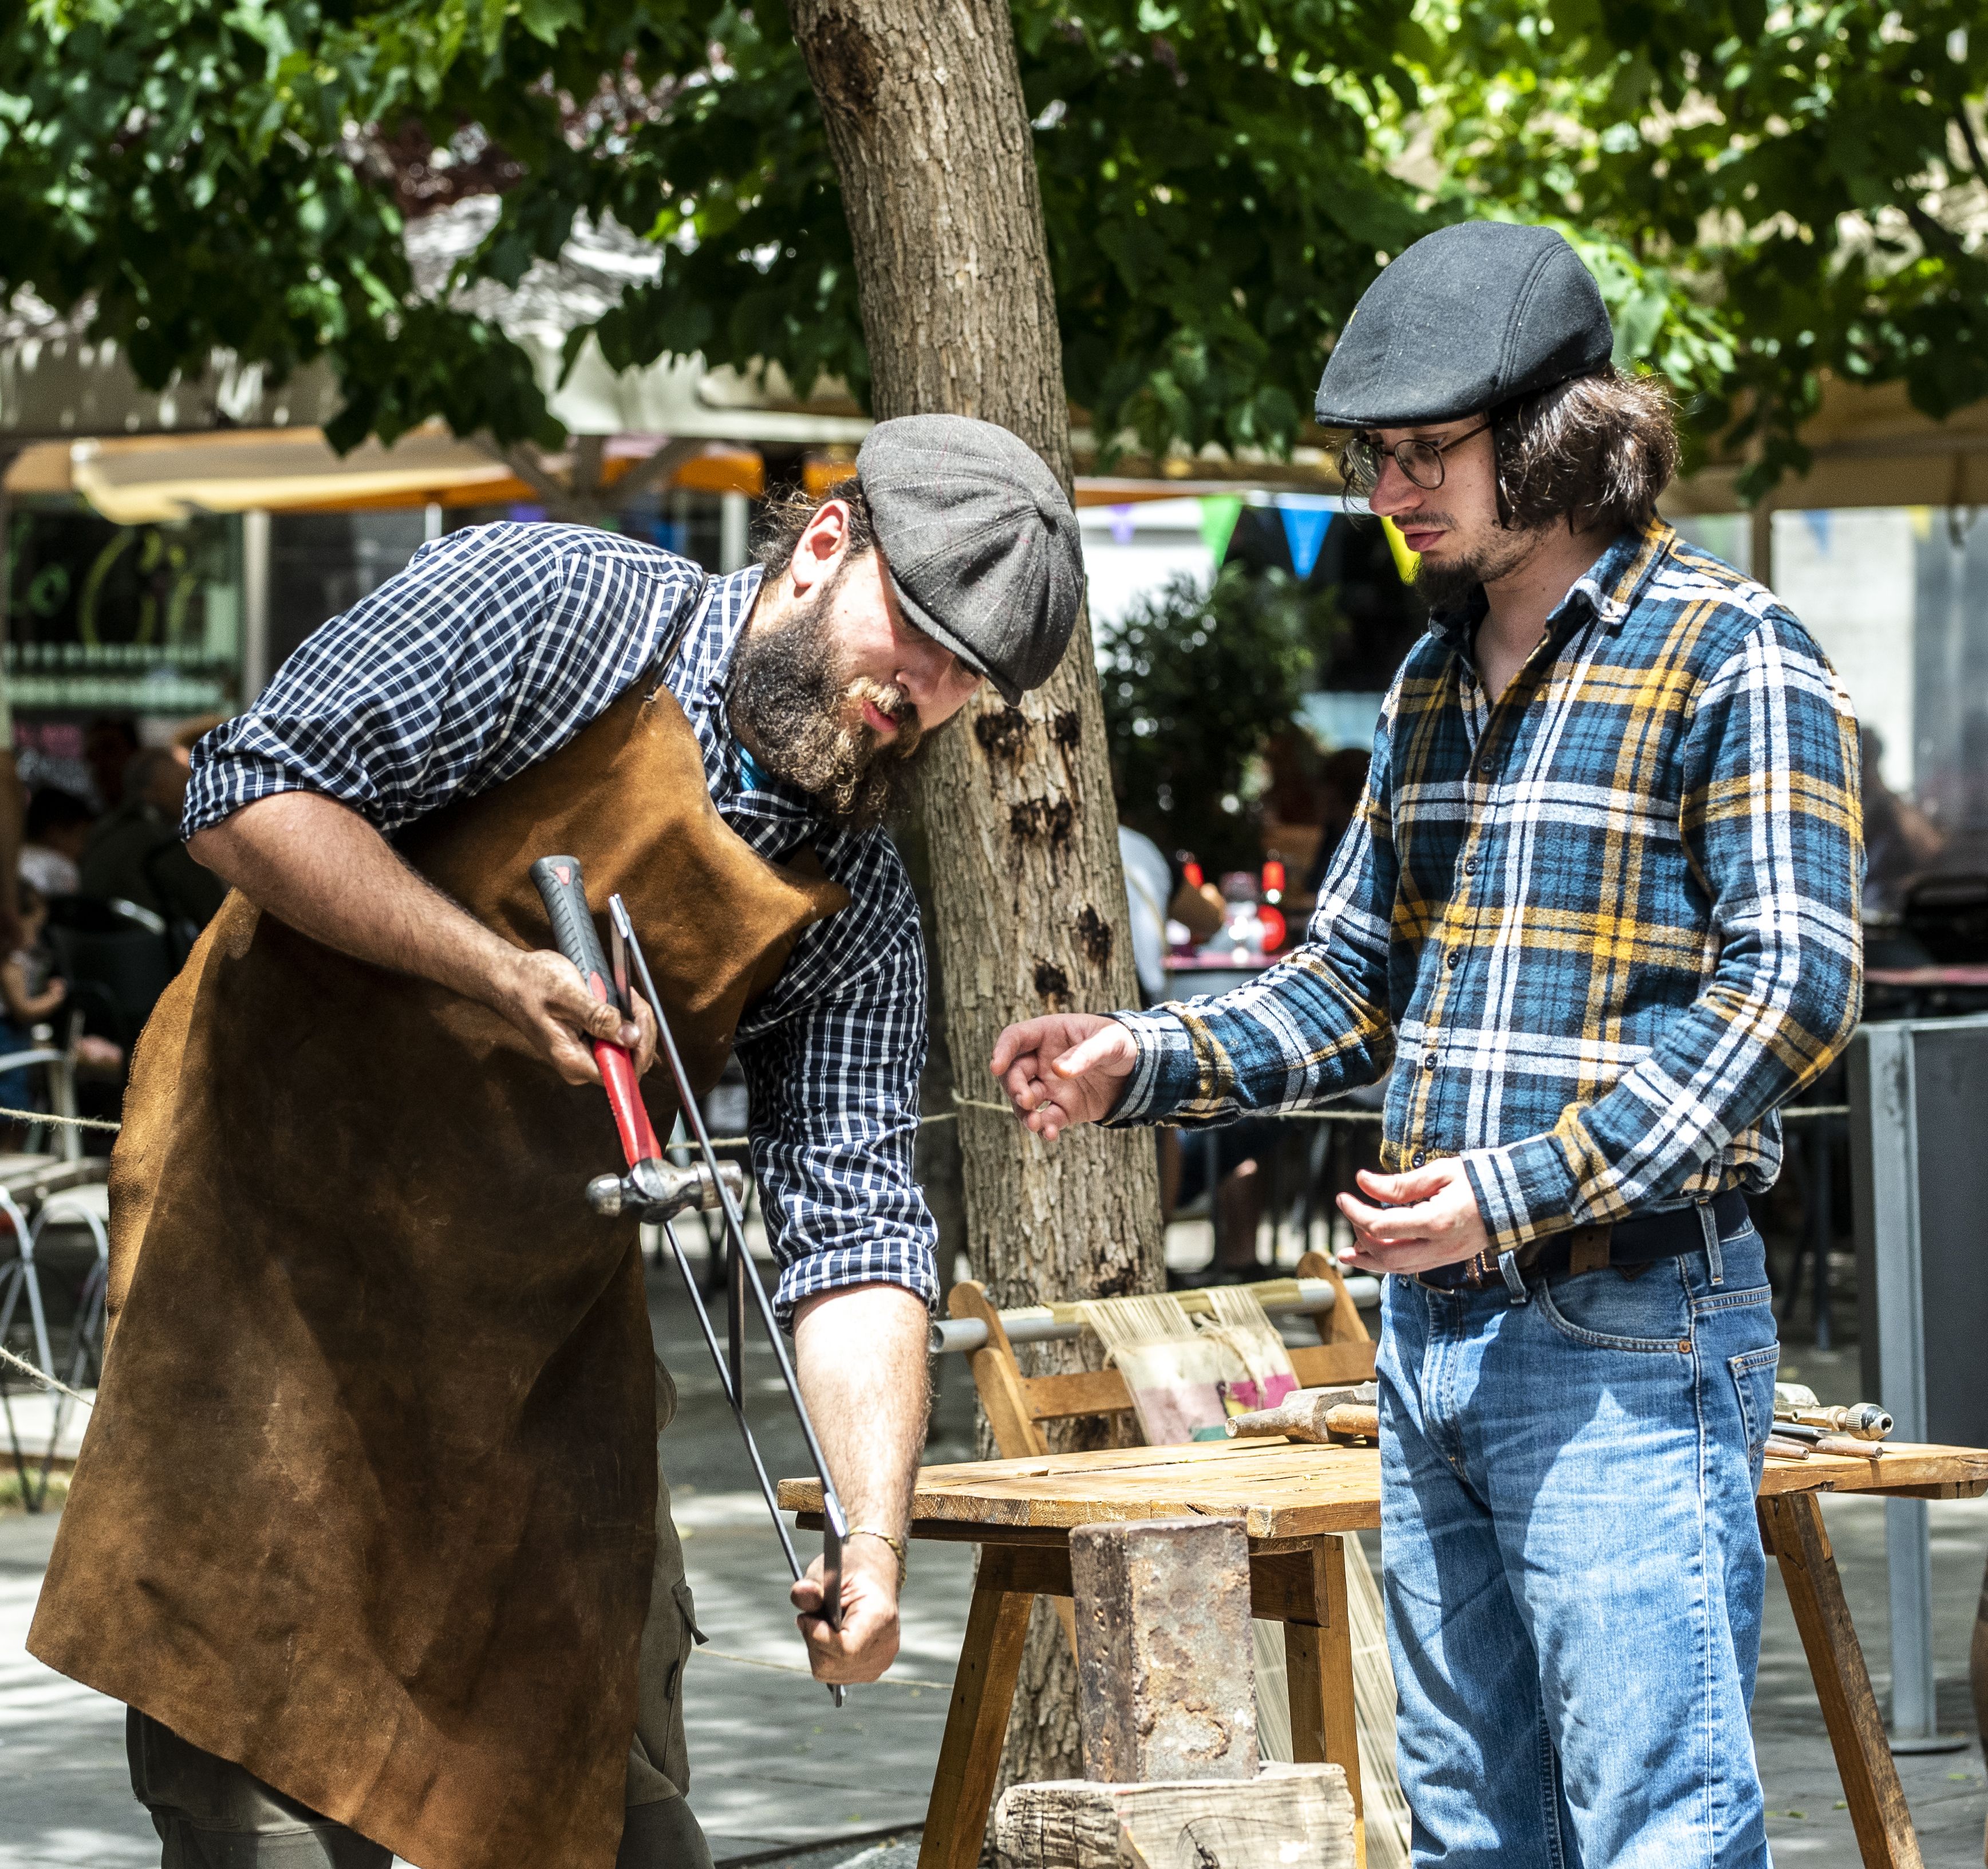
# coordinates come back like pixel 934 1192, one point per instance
pixel 1288 1814
pixel 1165 1669
pixel 1307 1414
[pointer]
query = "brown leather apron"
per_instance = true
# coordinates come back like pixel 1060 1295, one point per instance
pixel 366 1503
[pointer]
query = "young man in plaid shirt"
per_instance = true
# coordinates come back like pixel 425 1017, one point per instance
pixel 1599 911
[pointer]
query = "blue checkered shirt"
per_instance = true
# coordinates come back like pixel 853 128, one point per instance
pixel 1603 925
pixel 494 647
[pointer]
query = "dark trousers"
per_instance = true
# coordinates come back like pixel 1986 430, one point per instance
pixel 212 1814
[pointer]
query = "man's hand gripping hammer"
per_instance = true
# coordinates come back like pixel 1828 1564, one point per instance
pixel 653 1189
pixel 656 1190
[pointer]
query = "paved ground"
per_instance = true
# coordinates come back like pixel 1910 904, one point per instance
pixel 781 1777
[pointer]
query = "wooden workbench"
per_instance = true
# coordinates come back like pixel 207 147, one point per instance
pixel 1295 1503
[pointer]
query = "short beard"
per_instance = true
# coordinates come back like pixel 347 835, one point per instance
pixel 786 701
pixel 1448 587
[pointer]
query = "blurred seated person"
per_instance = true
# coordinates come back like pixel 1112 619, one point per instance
pixel 1148 883
pixel 1342 783
pixel 136 854
pixel 1242 1152
pixel 1198 907
pixel 31 994
pixel 53 838
pixel 1900 841
pixel 109 743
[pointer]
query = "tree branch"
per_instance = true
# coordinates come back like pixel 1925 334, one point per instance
pixel 527 470
pixel 1933 233
pixel 657 467
pixel 588 452
pixel 1967 136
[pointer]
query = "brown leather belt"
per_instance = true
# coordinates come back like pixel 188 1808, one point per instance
pixel 1630 1246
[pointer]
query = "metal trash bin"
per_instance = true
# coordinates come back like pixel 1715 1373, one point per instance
pixel 1919 1130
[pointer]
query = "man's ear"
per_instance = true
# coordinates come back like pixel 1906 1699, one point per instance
pixel 820 548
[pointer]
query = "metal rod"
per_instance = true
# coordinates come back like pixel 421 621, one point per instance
pixel 1042 1323
pixel 734 1395
pixel 834 1524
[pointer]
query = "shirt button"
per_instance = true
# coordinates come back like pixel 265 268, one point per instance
pixel 1470 866
pixel 1429 1062
pixel 1455 955
pixel 1415 1161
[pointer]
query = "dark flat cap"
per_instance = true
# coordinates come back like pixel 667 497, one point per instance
pixel 982 547
pixel 1467 318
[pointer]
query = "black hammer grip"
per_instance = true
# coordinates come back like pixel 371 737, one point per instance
pixel 565 897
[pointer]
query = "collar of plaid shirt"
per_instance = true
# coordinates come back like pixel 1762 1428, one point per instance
pixel 1608 589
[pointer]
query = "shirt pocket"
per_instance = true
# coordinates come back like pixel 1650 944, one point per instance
pixel 1753 1372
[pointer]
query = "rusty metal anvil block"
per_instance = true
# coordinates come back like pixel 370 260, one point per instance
pixel 1165 1670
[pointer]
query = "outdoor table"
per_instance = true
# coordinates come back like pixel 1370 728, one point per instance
pixel 1196 976
pixel 1297 1502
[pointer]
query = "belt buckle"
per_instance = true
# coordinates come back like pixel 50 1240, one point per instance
pixel 1479 1272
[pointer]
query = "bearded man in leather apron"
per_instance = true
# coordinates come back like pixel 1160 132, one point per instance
pixel 368 1529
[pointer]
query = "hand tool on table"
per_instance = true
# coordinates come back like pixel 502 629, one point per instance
pixel 1825 1441
pixel 1860 1420
pixel 1314 1415
pixel 656 1190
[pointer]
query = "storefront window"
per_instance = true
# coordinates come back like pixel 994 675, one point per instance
pixel 131 619
pixel 1897 599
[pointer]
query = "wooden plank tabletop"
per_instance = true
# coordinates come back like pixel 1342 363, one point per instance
pixel 1285 1489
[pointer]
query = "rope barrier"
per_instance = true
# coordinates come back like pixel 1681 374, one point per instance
pixel 41 1376
pixel 63 1122
pixel 1807 1112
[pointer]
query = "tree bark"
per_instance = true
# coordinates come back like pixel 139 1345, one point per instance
pixel 922 103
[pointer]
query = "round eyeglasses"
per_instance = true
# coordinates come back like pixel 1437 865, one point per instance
pixel 1363 456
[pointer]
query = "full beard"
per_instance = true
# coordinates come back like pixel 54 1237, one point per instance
pixel 786 700
pixel 1448 586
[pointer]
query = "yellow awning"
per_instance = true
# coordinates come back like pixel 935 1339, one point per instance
pixel 143 479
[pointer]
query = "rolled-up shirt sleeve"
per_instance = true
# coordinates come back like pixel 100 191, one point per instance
pixel 834 1094
pixel 492 647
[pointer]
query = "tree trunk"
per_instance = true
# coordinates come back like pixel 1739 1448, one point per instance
pixel 922 101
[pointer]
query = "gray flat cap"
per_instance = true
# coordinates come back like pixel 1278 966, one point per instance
pixel 1467 318
pixel 982 547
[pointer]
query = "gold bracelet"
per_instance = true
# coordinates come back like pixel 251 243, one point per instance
pixel 877 1531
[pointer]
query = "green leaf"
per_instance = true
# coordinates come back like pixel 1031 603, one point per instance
pixel 546 19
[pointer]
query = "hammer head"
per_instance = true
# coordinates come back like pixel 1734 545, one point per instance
pixel 655 1191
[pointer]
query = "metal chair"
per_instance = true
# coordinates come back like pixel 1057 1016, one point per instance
pixel 29 1178
pixel 59 1193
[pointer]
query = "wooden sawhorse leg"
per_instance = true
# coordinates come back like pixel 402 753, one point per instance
pixel 1791 1528
pixel 1319 1659
pixel 1005 1588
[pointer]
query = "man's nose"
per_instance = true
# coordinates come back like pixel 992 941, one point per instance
pixel 923 670
pixel 1393 491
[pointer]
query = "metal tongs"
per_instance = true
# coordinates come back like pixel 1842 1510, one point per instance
pixel 655 1189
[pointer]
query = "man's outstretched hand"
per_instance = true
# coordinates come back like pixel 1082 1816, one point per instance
pixel 1429 1218
pixel 1064 1069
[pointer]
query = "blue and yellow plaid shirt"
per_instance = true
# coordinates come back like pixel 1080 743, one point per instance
pixel 1607 923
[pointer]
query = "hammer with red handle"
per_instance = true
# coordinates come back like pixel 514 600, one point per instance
pixel 653 1189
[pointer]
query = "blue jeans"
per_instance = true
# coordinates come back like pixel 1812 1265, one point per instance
pixel 1574 1572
